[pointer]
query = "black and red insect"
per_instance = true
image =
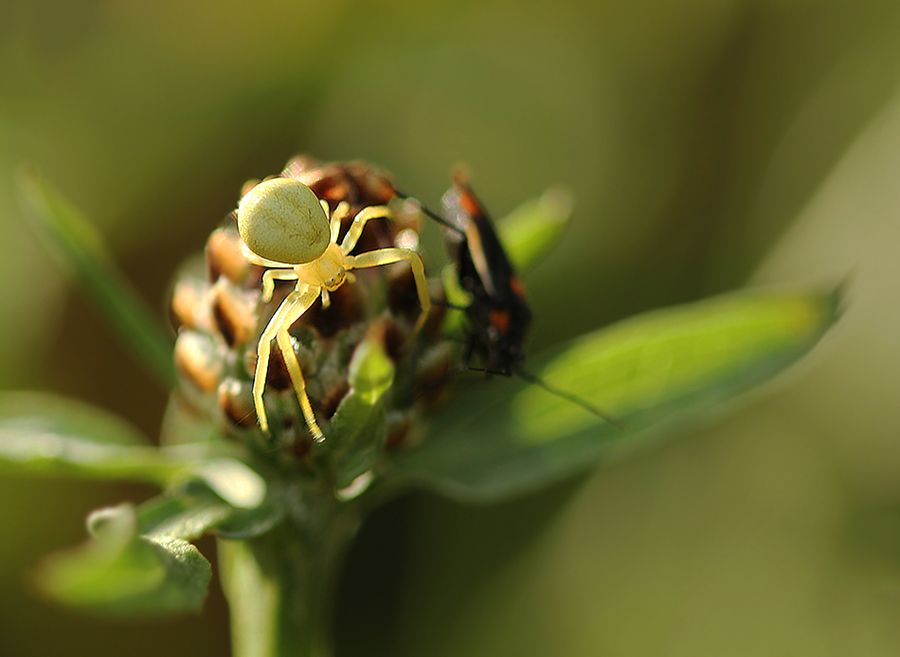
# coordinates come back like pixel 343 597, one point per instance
pixel 498 315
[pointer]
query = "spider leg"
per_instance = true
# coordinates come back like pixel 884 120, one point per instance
pixel 359 222
pixel 341 211
pixel 259 260
pixel 269 278
pixel 387 256
pixel 293 366
pixel 297 303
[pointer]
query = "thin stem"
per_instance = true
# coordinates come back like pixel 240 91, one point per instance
pixel 280 586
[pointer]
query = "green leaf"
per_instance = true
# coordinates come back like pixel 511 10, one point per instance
pixel 31 414
pixel 123 573
pixel 233 481
pixel 533 228
pixel 76 244
pixel 255 502
pixel 646 372
pixel 41 433
pixel 47 435
pixel 359 424
pixel 186 513
pixel 244 508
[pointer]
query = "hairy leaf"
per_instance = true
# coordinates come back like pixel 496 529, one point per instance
pixel 122 572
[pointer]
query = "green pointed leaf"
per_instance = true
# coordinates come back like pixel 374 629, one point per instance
pixel 645 372
pixel 359 425
pixel 31 413
pixel 532 229
pixel 121 572
pixel 47 435
pixel 76 244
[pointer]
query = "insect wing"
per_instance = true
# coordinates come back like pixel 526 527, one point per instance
pixel 499 313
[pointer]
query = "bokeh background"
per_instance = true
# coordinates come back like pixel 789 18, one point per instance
pixel 710 144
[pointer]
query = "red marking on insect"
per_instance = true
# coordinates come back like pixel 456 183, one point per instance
pixel 500 320
pixel 517 288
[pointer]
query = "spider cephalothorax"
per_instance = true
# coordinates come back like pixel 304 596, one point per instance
pixel 287 229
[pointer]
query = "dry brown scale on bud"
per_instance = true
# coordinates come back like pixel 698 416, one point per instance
pixel 220 319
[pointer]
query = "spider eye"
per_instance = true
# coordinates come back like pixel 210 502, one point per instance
pixel 281 219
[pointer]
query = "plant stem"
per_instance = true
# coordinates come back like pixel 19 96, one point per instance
pixel 280 586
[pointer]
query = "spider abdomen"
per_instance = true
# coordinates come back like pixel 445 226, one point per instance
pixel 282 220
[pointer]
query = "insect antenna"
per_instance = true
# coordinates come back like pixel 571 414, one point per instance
pixel 568 396
pixel 553 390
pixel 430 213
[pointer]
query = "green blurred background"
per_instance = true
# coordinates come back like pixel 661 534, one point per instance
pixel 709 143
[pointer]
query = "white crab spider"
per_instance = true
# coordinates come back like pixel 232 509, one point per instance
pixel 285 227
